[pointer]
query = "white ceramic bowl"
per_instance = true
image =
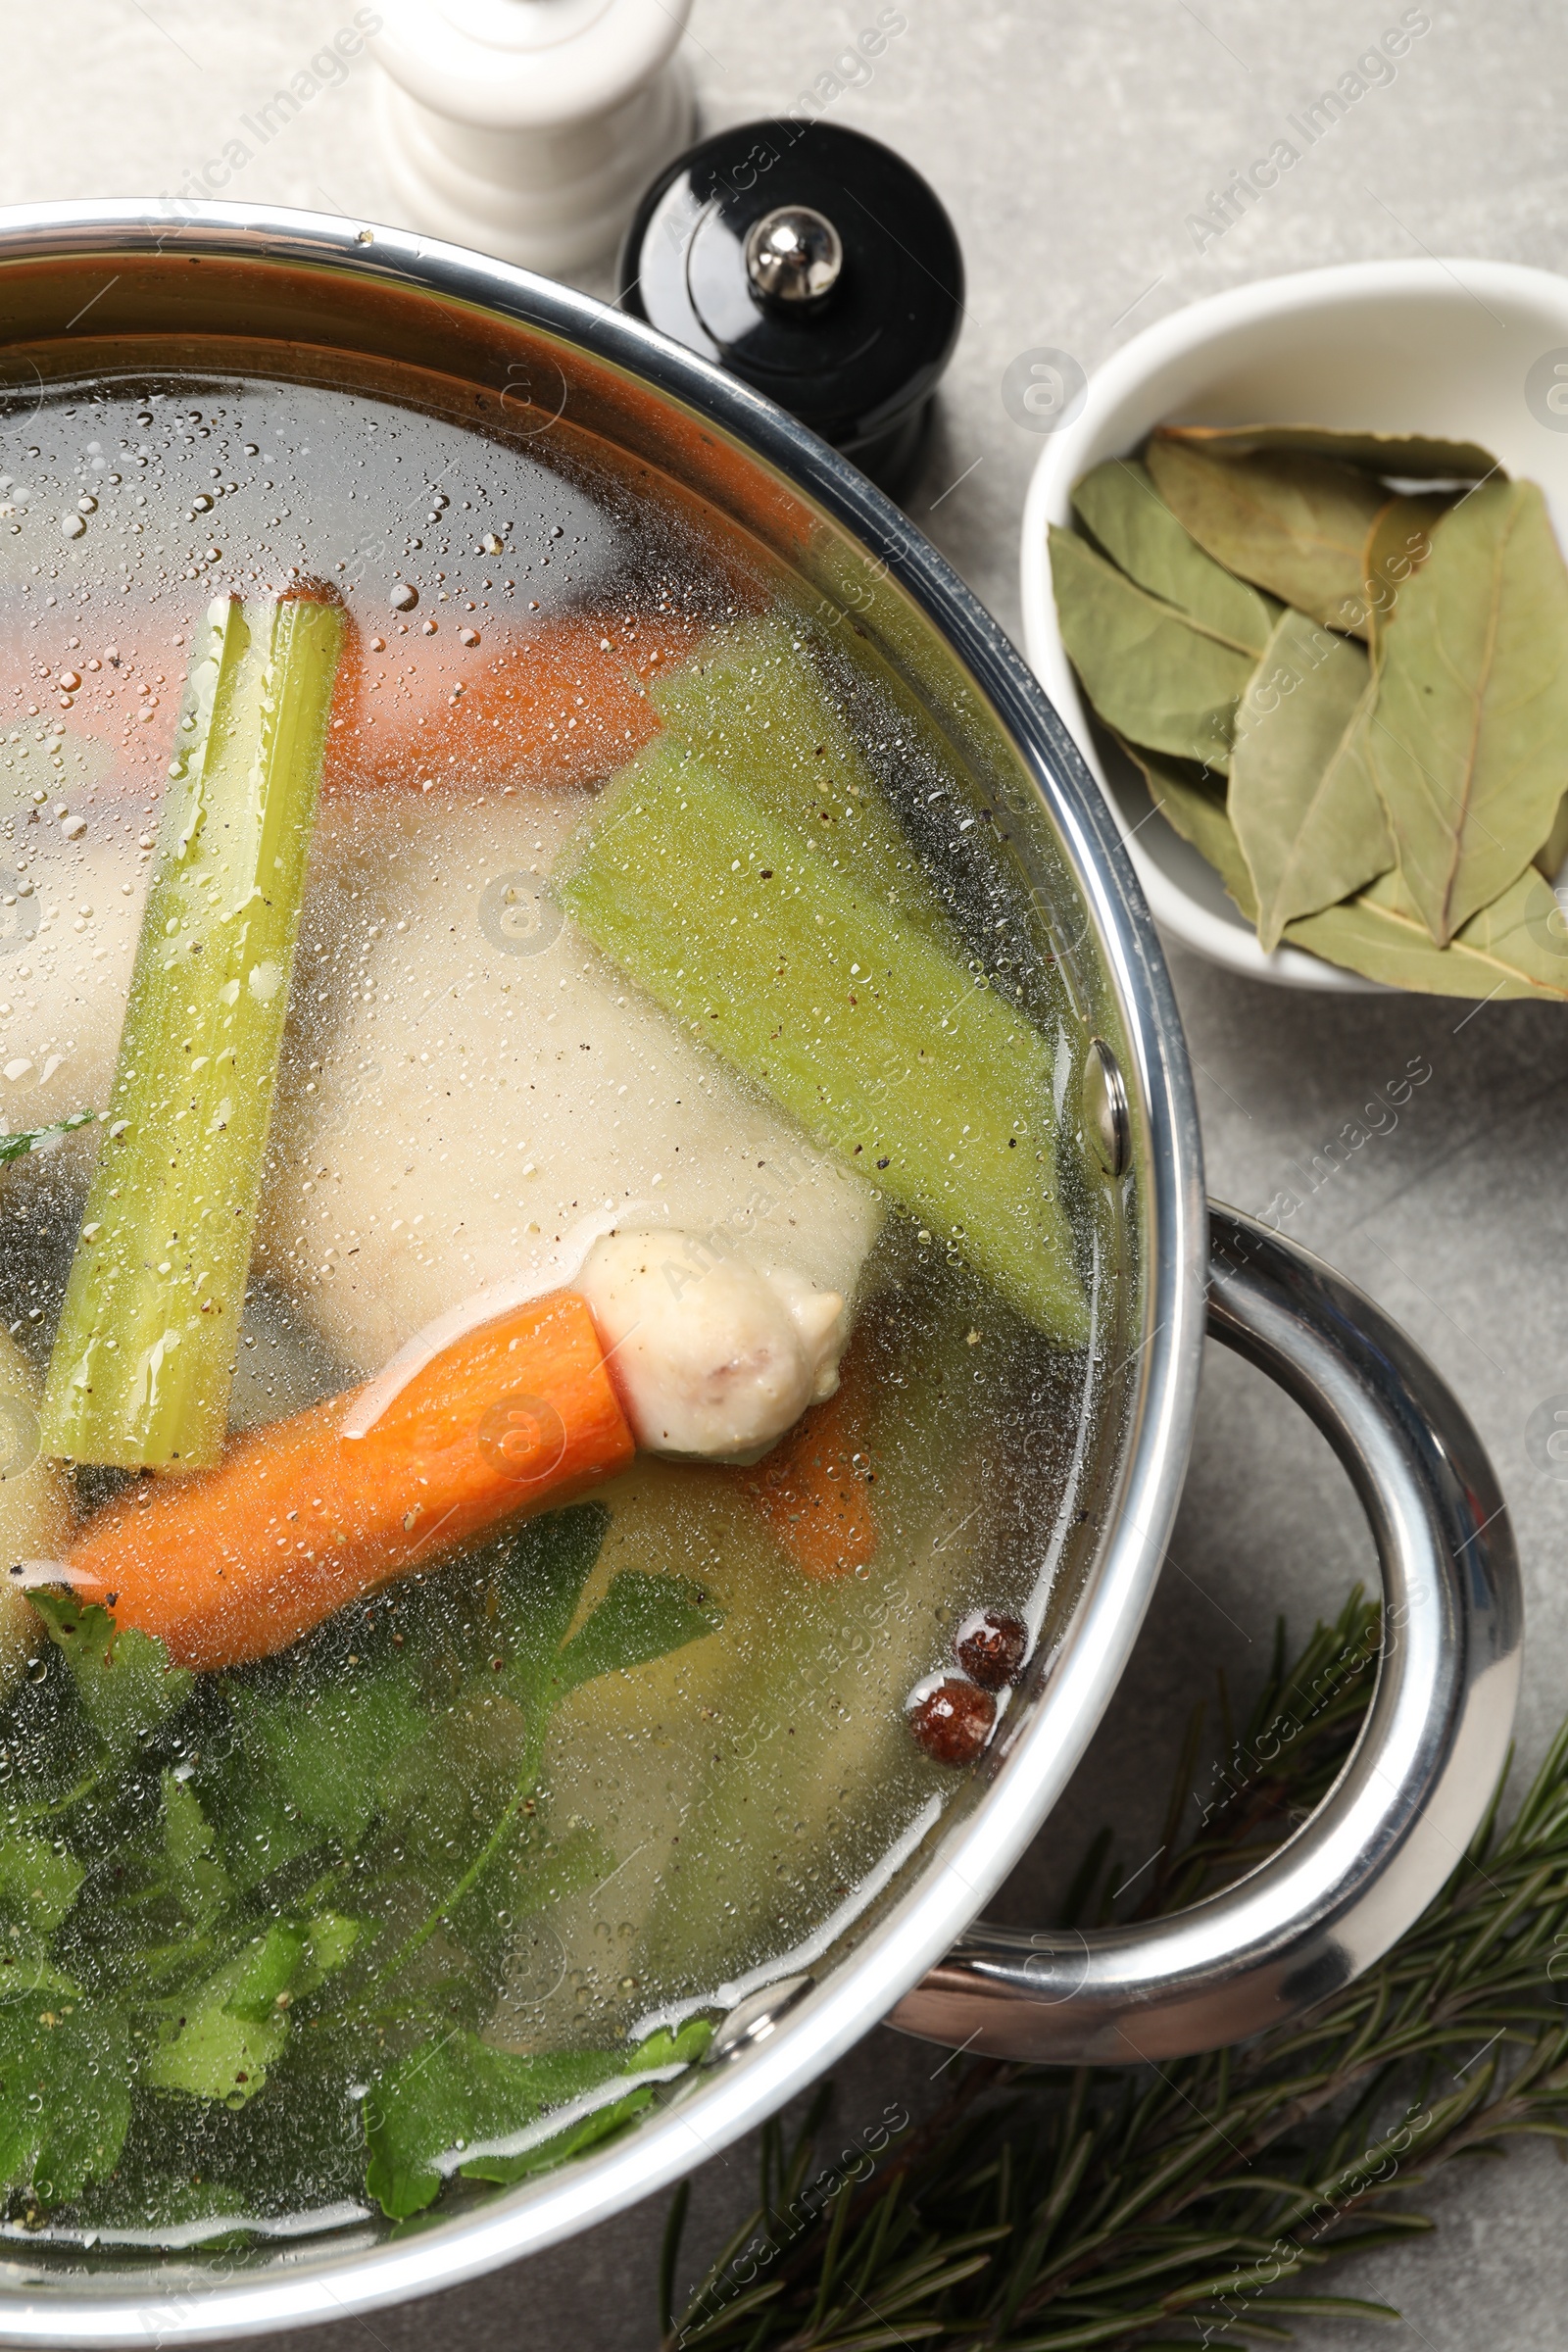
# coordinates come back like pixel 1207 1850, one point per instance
pixel 1436 347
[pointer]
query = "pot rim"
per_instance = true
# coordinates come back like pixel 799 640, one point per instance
pixel 972 1856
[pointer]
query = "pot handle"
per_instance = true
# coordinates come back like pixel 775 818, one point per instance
pixel 1365 1865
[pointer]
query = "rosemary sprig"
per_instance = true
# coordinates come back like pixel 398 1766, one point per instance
pixel 1042 2210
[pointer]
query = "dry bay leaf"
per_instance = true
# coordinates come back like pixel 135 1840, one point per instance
pixel 1119 507
pixel 1527 929
pixel 1517 947
pixel 1190 805
pixel 1295 524
pixel 1301 799
pixel 1398 545
pixel 1469 741
pixel 1150 672
pixel 1552 854
pixel 1413 455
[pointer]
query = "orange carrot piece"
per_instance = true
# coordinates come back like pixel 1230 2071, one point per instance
pixel 397 723
pixel 812 1489
pixel 237 1562
pixel 562 705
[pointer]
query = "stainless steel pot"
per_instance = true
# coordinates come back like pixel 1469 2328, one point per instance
pixel 327 300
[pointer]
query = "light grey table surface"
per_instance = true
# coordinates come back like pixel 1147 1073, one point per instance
pixel 1071 144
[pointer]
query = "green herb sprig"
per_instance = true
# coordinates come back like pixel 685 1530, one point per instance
pixel 1046 2210
pixel 44 1139
pixel 253 1925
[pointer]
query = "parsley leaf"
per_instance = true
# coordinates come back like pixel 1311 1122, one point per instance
pixel 660 2049
pixel 64 2095
pixel 641 1617
pixel 330 1759
pixel 546 1566
pixel 196 1877
pixel 44 1138
pixel 123 1679
pixel 448 2093
pixel 218 2039
pixel 342 1837
pixel 38 1882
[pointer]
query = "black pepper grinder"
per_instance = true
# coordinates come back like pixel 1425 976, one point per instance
pixel 817 266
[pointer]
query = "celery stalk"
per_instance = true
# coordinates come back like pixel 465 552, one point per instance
pixel 144 1355
pixel 753 703
pixel 880 1044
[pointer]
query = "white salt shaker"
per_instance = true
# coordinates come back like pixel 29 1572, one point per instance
pixel 527 128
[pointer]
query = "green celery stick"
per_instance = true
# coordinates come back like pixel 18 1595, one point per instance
pixel 753 703
pixel 879 1042
pixel 144 1355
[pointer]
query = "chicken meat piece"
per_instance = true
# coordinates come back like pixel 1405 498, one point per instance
pixel 471 1094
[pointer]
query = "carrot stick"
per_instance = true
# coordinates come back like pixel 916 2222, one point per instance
pixel 561 704
pixel 812 1489
pixel 396 721
pixel 237 1562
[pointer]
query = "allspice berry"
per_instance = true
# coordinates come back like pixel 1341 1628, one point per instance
pixel 953 1722
pixel 991 1648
